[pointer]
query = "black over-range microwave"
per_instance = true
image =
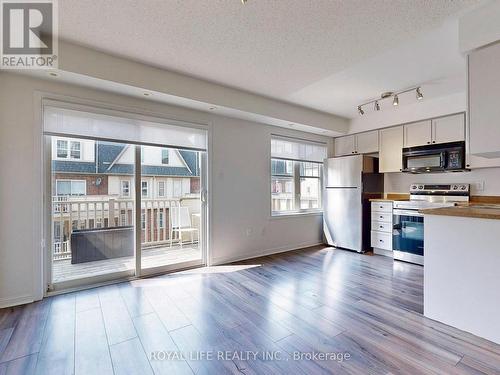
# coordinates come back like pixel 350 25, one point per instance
pixel 444 157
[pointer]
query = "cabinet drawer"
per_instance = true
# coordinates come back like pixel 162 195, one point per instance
pixel 385 217
pixel 382 240
pixel 379 226
pixel 382 206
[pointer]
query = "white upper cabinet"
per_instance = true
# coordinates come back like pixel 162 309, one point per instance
pixel 367 143
pixel 439 130
pixel 362 143
pixel 345 145
pixel 484 101
pixel 391 149
pixel 418 134
pixel 448 129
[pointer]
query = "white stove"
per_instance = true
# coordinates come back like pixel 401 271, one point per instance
pixel 434 195
pixel 408 223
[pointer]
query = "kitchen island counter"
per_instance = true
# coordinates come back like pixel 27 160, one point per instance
pixel 479 211
pixel 461 268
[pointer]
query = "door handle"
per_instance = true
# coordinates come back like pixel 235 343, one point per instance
pixel 203 196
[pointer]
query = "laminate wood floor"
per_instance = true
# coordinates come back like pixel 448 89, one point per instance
pixel 311 311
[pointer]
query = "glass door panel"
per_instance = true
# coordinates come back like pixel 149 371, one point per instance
pixel 171 208
pixel 91 210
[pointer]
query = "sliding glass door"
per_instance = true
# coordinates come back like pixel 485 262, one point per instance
pixel 92 209
pixel 123 207
pixel 171 208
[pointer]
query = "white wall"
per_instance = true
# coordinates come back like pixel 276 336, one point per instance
pixel 240 189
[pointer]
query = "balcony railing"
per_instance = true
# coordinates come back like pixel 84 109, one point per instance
pixel 70 213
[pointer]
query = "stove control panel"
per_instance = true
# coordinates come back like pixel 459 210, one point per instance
pixel 439 189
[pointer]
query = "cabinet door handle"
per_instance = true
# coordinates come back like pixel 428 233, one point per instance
pixel 433 141
pixel 381 240
pixel 381 217
pixel 428 143
pixel 381 226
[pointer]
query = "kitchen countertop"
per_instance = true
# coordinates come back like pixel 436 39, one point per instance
pixel 391 197
pixel 481 211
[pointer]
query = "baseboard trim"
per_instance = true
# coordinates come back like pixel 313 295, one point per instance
pixel 21 300
pixel 276 250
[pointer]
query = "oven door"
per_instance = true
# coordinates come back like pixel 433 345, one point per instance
pixel 408 235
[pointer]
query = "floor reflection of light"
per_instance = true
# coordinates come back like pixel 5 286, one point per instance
pixel 191 275
pixel 219 269
pixel 398 266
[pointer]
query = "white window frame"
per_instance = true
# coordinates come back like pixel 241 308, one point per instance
pixel 79 150
pixel 163 187
pixel 296 177
pixel 65 148
pixel 69 144
pixel 147 188
pixel 122 182
pixel 168 156
pixel 71 186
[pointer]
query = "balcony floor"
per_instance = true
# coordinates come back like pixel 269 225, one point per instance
pixel 63 270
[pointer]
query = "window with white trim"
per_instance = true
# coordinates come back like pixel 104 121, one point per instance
pixel 62 149
pixel 296 175
pixel 161 188
pixel 145 189
pixel 71 187
pixel 164 155
pixel 125 188
pixel 75 150
pixel 66 149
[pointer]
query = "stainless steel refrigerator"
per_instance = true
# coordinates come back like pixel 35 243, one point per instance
pixel 350 183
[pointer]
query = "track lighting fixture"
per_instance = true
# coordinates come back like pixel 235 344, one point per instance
pixel 390 94
pixel 419 94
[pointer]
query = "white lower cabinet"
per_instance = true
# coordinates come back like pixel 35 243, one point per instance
pixel 381 228
pixel 381 240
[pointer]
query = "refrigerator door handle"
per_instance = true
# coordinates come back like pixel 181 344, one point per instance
pixel 341 187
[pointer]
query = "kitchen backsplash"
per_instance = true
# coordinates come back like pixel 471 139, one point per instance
pixel 484 181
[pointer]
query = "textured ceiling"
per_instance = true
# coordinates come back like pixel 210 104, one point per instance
pixel 306 52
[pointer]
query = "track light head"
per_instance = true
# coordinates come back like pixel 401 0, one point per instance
pixel 395 102
pixel 419 94
pixel 360 110
pixel 377 106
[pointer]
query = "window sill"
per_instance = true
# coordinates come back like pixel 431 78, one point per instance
pixel 295 214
